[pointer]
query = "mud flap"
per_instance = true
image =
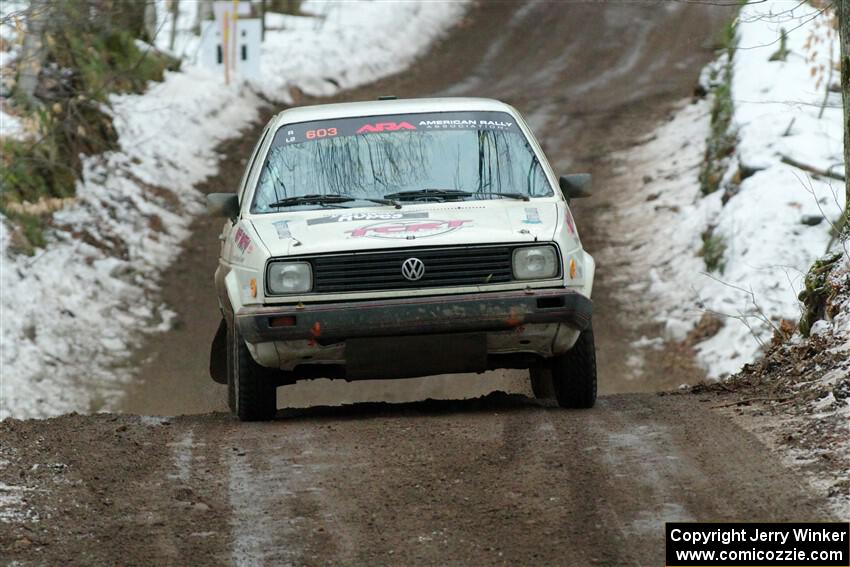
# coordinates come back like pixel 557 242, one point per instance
pixel 218 354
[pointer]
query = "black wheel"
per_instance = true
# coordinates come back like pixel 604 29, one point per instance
pixel 541 382
pixel 574 374
pixel 251 388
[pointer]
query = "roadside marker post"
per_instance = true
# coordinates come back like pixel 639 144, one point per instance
pixel 232 42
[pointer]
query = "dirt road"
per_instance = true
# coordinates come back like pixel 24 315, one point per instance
pixel 495 480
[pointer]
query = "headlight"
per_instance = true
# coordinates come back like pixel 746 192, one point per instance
pixel 535 263
pixel 289 277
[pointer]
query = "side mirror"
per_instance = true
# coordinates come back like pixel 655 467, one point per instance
pixel 223 205
pixel 576 185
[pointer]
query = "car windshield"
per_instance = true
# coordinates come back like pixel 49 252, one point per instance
pixel 398 158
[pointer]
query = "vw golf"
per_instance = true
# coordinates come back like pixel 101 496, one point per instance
pixel 401 238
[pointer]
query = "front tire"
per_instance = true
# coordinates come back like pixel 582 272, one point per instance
pixel 252 391
pixel 574 374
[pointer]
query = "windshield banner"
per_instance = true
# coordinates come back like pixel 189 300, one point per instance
pixel 394 123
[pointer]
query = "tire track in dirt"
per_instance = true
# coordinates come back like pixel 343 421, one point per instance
pixel 504 480
pixel 498 480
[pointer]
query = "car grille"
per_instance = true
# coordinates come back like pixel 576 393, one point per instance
pixel 368 271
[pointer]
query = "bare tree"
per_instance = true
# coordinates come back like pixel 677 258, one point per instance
pixel 149 18
pixel 175 13
pixel 262 20
pixel 33 52
pixel 843 9
pixel 205 11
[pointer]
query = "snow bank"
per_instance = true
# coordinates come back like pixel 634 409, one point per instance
pixel 354 43
pixel 334 45
pixel 70 313
pixel 766 224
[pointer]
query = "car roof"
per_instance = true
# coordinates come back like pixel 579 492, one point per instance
pixel 393 106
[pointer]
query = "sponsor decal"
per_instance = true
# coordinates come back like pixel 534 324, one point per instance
pixel 282 228
pixel 532 216
pixel 371 216
pixel 385 127
pixel 321 133
pixel 243 241
pixel 571 227
pixel 401 123
pixel 465 124
pixel 408 229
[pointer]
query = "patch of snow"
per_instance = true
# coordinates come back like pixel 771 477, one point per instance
pixel 71 313
pixel 635 362
pixel 153 420
pixel 75 308
pixel 405 28
pixel 655 343
pixel 820 327
pixel 11 36
pixel 254 537
pixel 11 126
pixel 824 403
pixel 181 454
pixel 768 247
pixel 13 508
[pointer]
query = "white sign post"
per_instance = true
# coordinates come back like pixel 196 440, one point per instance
pixel 231 42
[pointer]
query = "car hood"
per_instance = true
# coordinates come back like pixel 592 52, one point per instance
pixel 433 224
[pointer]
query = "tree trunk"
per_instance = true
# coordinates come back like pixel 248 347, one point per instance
pixel 843 9
pixel 32 52
pixel 205 10
pixel 262 20
pixel 175 12
pixel 150 21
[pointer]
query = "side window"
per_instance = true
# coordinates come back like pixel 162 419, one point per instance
pixel 248 170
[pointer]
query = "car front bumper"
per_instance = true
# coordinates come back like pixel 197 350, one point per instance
pixel 446 314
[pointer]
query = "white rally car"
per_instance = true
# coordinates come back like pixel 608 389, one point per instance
pixel 401 238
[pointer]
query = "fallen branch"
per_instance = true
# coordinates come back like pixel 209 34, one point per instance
pixel 758 399
pixel 812 169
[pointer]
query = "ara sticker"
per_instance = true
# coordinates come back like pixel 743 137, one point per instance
pixel 355 216
pixel 407 229
pixel 385 127
pixel 532 216
pixel 282 228
pixel 243 241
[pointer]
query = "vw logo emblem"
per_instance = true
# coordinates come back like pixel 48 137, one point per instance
pixel 413 269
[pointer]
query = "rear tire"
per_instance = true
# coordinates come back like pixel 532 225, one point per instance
pixel 574 374
pixel 541 382
pixel 252 391
pixel 231 385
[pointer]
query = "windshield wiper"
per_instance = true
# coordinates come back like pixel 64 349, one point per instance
pixel 442 194
pixel 311 200
pixel 445 194
pixel 384 201
pixel 329 200
pixel 520 196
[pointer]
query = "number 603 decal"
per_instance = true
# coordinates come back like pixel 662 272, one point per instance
pixel 321 133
